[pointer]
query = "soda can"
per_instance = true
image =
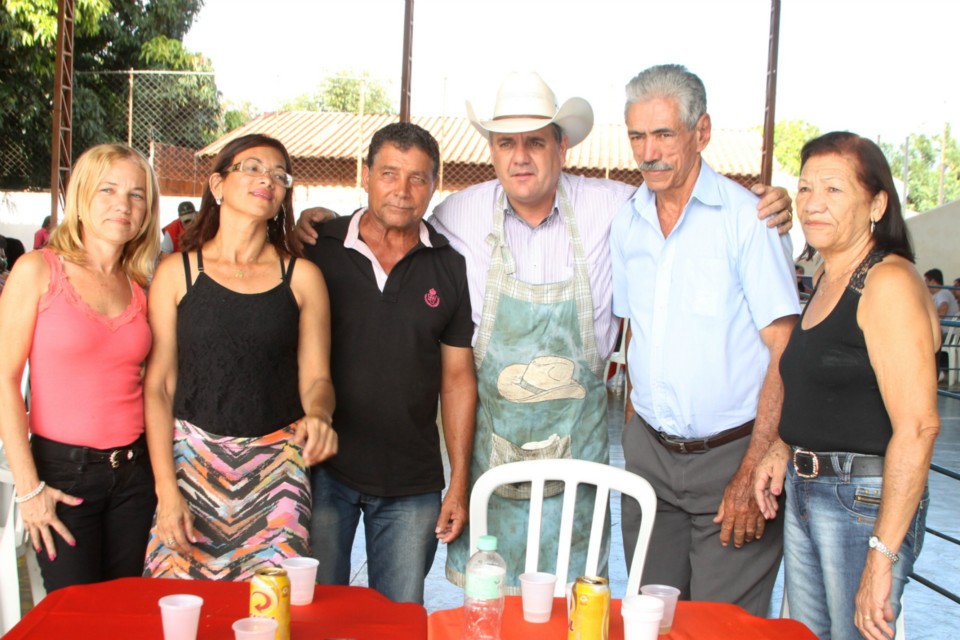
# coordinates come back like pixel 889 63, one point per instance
pixel 589 617
pixel 270 598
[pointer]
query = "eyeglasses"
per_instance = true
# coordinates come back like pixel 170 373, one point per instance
pixel 253 168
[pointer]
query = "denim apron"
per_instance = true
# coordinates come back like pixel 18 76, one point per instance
pixel 541 395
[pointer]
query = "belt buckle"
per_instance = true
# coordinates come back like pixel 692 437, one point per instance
pixel 115 457
pixel 810 463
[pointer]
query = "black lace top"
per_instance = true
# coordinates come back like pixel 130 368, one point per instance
pixel 831 398
pixel 237 357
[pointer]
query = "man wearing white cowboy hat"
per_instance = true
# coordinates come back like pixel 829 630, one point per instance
pixel 536 242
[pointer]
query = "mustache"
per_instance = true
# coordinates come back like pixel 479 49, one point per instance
pixel 655 165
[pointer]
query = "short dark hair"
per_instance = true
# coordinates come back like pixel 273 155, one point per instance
pixel 934 274
pixel 890 234
pixel 405 135
pixel 207 222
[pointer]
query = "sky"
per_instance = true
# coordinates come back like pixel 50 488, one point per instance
pixel 880 68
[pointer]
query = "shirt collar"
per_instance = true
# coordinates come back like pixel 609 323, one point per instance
pixel 706 190
pixel 353 232
pixel 509 211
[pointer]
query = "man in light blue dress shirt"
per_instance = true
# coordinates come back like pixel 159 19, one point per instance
pixel 711 298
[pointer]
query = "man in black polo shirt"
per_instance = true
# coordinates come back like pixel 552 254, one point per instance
pixel 401 331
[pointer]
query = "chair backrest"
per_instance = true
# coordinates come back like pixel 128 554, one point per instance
pixel 572 473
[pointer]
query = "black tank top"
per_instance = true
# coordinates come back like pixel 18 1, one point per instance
pixel 831 398
pixel 237 357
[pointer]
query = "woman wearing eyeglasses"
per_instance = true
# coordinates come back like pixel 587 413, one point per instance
pixel 238 392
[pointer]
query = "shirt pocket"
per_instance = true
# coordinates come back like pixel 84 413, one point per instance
pixel 707 283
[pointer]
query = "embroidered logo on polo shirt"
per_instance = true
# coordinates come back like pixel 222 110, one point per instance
pixel 432 298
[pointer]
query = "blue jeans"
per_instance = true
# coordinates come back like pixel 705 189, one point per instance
pixel 829 520
pixel 401 541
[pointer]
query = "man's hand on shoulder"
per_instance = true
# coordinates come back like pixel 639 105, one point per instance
pixel 774 207
pixel 304 233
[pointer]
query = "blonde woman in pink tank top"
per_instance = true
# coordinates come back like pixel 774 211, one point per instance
pixel 76 311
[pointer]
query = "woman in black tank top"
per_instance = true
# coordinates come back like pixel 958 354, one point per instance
pixel 859 415
pixel 238 392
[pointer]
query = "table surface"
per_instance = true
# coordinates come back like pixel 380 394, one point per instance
pixel 127 608
pixel 693 621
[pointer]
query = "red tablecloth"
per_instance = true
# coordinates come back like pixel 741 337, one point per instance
pixel 127 609
pixel 693 621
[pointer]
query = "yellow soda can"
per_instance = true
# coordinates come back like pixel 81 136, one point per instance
pixel 589 609
pixel 270 598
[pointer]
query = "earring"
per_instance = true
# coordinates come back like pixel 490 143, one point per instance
pixel 873 225
pixel 281 214
pixel 218 200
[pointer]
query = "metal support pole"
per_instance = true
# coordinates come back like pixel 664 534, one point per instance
pixel 407 62
pixel 62 134
pixel 766 165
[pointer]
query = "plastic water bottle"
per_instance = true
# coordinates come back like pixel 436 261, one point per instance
pixel 483 596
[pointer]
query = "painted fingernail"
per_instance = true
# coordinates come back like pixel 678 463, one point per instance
pixel 52 556
pixel 73 544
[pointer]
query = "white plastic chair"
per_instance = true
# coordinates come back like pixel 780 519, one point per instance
pixel 900 632
pixel 618 359
pixel 14 542
pixel 951 344
pixel 573 473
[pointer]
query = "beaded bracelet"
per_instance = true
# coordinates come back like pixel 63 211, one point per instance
pixel 33 494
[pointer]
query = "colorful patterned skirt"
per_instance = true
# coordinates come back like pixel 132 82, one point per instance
pixel 251 503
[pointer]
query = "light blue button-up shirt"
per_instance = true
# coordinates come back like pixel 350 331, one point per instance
pixel 696 301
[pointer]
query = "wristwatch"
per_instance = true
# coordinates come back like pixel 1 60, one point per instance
pixel 875 543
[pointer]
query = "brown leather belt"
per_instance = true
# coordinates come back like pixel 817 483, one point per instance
pixel 700 445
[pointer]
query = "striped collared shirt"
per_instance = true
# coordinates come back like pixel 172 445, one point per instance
pixel 543 254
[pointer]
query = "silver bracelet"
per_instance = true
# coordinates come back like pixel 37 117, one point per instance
pixel 33 494
pixel 877 545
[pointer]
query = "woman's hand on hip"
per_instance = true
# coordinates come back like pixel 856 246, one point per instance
pixel 40 519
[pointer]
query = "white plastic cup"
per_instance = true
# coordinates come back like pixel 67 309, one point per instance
pixel 303 578
pixel 536 592
pixel 669 596
pixel 181 616
pixel 254 629
pixel 641 617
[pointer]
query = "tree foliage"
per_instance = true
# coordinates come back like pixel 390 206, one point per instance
pixel 109 35
pixel 342 93
pixel 789 136
pixel 923 167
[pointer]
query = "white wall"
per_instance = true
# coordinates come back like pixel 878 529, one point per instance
pixel 936 240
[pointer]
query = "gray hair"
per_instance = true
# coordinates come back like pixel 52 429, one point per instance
pixel 670 81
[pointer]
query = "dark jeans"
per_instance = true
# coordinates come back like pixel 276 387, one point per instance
pixel 112 524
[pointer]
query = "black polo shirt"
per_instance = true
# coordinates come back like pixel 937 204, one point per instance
pixel 385 359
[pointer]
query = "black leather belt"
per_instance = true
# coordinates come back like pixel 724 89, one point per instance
pixel 810 464
pixel 53 450
pixel 700 445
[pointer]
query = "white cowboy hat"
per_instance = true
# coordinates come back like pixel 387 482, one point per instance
pixel 544 378
pixel 526 103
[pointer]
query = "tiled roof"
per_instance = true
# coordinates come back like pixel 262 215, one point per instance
pixel 311 134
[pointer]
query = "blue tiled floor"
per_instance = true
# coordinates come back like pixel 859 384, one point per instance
pixel 930 616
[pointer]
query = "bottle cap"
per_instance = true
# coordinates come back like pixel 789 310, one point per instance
pixel 487 543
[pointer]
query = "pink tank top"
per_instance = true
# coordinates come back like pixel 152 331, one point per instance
pixel 85 368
